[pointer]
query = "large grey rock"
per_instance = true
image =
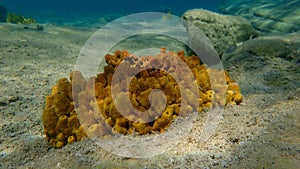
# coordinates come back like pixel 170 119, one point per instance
pixel 265 48
pixel 222 30
pixel 281 16
pixel 269 64
pixel 3 12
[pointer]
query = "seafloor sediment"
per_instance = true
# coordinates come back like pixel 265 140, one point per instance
pixel 262 132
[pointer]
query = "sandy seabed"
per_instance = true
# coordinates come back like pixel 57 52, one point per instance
pixel 262 132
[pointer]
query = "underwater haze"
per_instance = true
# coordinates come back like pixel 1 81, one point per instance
pixel 59 11
pixel 45 120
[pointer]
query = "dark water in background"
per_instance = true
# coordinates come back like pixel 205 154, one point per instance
pixel 66 10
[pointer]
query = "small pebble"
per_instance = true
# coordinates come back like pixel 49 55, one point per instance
pixel 2 103
pixel 13 99
pixel 3 154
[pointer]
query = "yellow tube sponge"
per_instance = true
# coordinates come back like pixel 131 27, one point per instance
pixel 82 107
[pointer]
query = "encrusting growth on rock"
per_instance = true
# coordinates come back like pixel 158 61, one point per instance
pixel 86 107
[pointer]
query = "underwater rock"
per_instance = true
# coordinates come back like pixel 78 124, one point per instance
pixel 19 19
pixel 267 47
pixel 3 13
pixel 267 16
pixel 88 107
pixel 271 61
pixel 222 30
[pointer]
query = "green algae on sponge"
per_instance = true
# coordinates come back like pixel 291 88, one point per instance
pixel 84 107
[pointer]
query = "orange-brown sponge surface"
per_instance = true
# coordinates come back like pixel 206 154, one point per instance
pixel 85 107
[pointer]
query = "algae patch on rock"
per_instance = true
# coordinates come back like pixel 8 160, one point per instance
pixel 222 30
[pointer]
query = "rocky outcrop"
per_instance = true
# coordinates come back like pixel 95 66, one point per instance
pixel 269 64
pixel 222 30
pixel 267 16
pixel 3 12
pixel 268 47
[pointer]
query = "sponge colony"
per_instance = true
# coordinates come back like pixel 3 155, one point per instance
pixel 96 113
